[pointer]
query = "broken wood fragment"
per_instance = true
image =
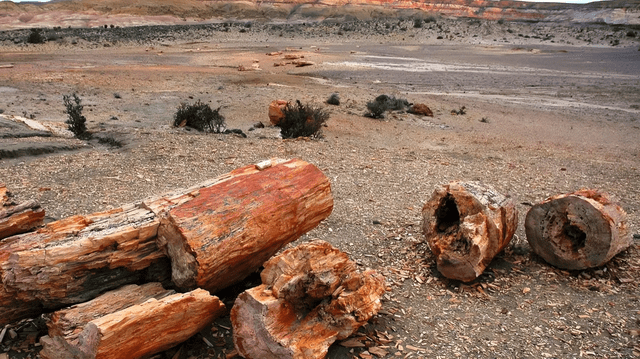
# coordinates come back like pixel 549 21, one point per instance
pixel 123 325
pixel 577 230
pixel 310 296
pixel 18 218
pixel 76 259
pixel 466 224
pixel 276 109
pixel 232 227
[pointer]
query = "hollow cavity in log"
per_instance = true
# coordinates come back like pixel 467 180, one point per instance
pixel 466 225
pixel 578 230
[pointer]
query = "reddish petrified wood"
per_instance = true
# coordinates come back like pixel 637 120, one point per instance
pixel 276 113
pixel 132 322
pixel 578 230
pixel 232 227
pixel 310 296
pixel 466 225
pixel 75 259
pixel 18 218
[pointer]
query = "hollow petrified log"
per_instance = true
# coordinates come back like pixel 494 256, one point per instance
pixel 18 218
pixel 129 323
pixel 232 227
pixel 466 224
pixel 77 258
pixel 578 230
pixel 310 296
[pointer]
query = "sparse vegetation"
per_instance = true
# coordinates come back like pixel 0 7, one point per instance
pixel 35 37
pixel 199 116
pixel 461 111
pixel 417 23
pixel 334 99
pixel 384 103
pixel 116 95
pixel 302 121
pixel 76 122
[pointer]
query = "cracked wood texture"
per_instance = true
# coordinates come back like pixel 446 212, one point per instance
pixel 18 218
pixel 310 296
pixel 77 258
pixel 466 224
pixel 229 229
pixel 132 322
pixel 578 230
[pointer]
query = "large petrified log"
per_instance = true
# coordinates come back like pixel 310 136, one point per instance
pixel 18 218
pixel 310 296
pixel 76 259
pixel 466 224
pixel 577 230
pixel 232 227
pixel 129 323
pixel 225 229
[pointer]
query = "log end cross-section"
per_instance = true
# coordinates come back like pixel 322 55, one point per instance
pixel 466 224
pixel 578 230
pixel 230 228
pixel 310 296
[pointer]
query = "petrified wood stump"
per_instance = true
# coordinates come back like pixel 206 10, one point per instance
pixel 232 227
pixel 310 296
pixel 466 224
pixel 578 230
pixel 18 218
pixel 132 322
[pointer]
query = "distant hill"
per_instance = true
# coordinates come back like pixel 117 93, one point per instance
pixel 130 13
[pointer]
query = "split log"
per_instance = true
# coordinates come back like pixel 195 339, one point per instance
pixel 232 227
pixel 466 224
pixel 76 259
pixel 578 230
pixel 18 218
pixel 132 322
pixel 310 296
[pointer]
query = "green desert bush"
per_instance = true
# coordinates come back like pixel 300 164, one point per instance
pixel 76 123
pixel 199 116
pixel 302 121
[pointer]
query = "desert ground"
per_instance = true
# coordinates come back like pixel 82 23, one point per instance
pixel 550 109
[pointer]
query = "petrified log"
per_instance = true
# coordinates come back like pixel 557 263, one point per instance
pixel 233 226
pixel 310 296
pixel 18 218
pixel 75 259
pixel 578 230
pixel 275 111
pixel 466 224
pixel 129 323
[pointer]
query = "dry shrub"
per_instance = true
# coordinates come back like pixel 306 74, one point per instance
pixel 199 116
pixel 302 121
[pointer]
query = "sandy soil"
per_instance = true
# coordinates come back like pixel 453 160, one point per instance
pixel 542 118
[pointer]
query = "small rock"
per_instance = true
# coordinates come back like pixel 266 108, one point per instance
pixel 421 110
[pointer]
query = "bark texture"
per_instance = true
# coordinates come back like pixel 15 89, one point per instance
pixel 578 230
pixel 76 259
pixel 230 228
pixel 310 296
pixel 18 218
pixel 134 322
pixel 466 224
